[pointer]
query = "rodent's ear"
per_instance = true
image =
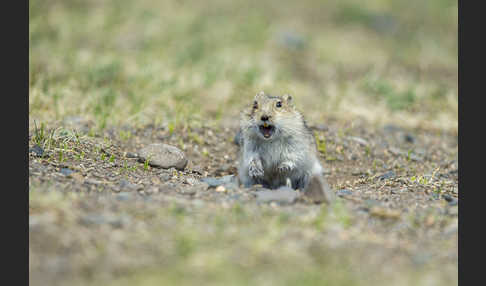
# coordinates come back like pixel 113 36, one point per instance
pixel 259 95
pixel 287 98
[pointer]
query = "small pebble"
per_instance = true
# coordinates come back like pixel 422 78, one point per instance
pixel 37 150
pixel 359 140
pixel 220 189
pixel 66 171
pixel 131 155
pixel 191 181
pixel 409 138
pixel 152 190
pixel 344 192
pixel 127 186
pixel 387 175
pixel 451 200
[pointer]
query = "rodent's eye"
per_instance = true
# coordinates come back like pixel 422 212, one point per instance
pixel 255 105
pixel 279 104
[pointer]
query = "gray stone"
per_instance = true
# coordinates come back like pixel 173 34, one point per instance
pixel 93 182
pixel 387 175
pixel 409 138
pixel 165 156
pixel 37 150
pixel 191 181
pixel 435 196
pixel 229 181
pixel 152 190
pixel 412 156
pixel 344 192
pixel 451 200
pixel 189 191
pixel 283 195
pixel 164 177
pixel 127 186
pixel 66 171
pixel 131 155
pixel 359 140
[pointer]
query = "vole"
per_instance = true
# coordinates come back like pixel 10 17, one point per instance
pixel 277 148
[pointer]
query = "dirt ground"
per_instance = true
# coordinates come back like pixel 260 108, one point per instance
pixel 98 214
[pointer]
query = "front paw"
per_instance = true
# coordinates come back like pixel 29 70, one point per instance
pixel 255 169
pixel 286 167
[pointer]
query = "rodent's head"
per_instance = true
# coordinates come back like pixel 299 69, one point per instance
pixel 269 115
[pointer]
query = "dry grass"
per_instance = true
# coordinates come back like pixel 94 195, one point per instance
pixel 119 62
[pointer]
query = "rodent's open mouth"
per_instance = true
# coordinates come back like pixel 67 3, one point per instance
pixel 267 130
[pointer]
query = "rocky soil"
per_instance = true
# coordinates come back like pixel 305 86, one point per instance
pixel 156 205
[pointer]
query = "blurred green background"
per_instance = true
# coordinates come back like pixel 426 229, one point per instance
pixel 186 62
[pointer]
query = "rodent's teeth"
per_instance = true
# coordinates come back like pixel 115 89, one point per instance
pixel 265 125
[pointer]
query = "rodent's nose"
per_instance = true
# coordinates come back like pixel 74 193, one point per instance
pixel 264 117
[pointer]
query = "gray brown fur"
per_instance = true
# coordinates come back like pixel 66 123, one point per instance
pixel 288 158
